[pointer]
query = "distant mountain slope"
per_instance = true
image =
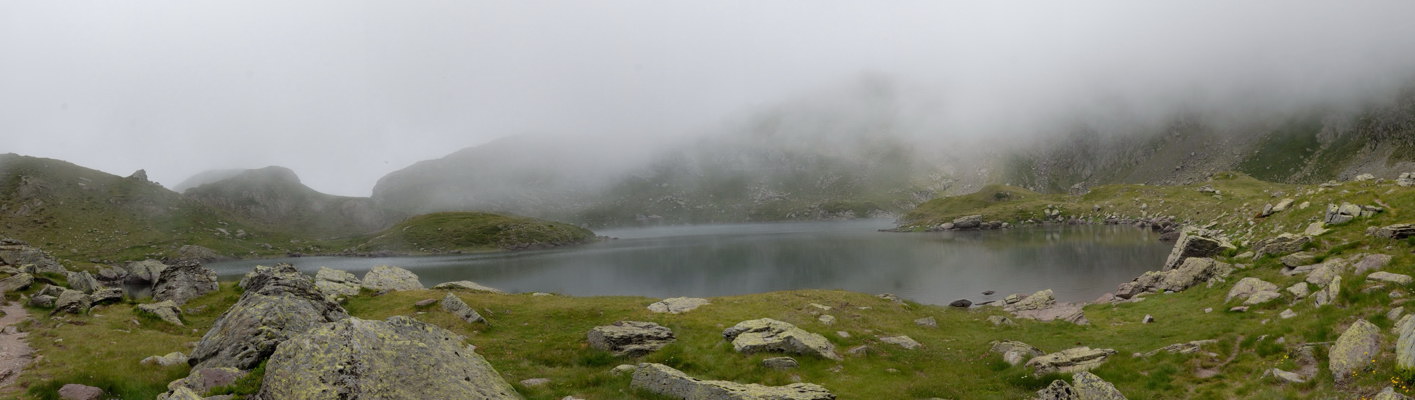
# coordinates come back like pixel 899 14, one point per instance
pixel 79 213
pixel 205 177
pixel 275 198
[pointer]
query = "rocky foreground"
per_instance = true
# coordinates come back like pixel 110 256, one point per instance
pixel 1313 313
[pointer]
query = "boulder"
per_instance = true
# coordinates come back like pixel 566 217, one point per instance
pixel 400 358
pixel 1195 242
pixel 1405 342
pixel 1298 259
pixel 1181 348
pixel 1340 214
pixel 453 304
pixel 279 303
pixel 1069 360
pixel 630 338
pixel 169 360
pixel 42 301
pixel 1283 244
pixel 74 391
pixel 1329 294
pixel 108 295
pixel 1262 297
pixel 145 271
pixel 184 281
pixel 902 341
pixel 1283 205
pixel 1193 271
pixel 666 381
pixel 1371 262
pixel 1287 314
pixel 1069 312
pixel 196 253
pixel 927 322
pixel 17 282
pixel 1397 231
pixel 1085 386
pixel 165 310
pixel 1015 352
pixel 1354 350
pixel 73 302
pixel 386 277
pixel 780 363
pixel 1389 393
pixel 1247 287
pixel 466 285
pixel 1382 276
pixel 961 303
pixel 336 283
pixel 1406 179
pixel 968 222
pixel 677 305
pixel 1299 290
pixel 1039 300
pixel 180 393
pixel 112 274
pixel 1324 274
pixel 1284 376
pixel 82 281
pixel 766 334
pixel 202 380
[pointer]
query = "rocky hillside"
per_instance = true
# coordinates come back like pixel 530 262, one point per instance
pixel 275 198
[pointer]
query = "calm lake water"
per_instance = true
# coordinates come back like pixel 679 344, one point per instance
pixel 1078 262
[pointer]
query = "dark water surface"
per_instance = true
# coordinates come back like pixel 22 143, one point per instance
pixel 1078 262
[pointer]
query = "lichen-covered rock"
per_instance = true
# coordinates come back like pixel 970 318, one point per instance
pixel 73 302
pixel 83 281
pixel 386 277
pixel 901 341
pixel 1247 286
pixel 108 295
pixel 42 301
pixel 1015 352
pixel 145 271
pixel 1354 350
pixel 336 283
pixel 1405 342
pixel 453 304
pixel 1283 244
pixel 1262 297
pixel 630 338
pixel 165 310
pixel 1039 300
pixel 1193 271
pixel 1382 276
pixel 467 285
pixel 664 380
pixel 1069 360
pixel 169 360
pixel 1181 348
pixel 1299 290
pixel 1091 387
pixel 766 334
pixel 279 302
pixel 400 358
pixel 17 282
pixel 23 255
pixel 1329 294
pixel 781 363
pixel 1195 242
pixel 1389 393
pixel 1371 262
pixel 180 394
pixel 202 380
pixel 1284 376
pixel 1340 214
pixel 677 305
pixel 185 281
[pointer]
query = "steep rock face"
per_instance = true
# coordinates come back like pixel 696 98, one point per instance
pixel 400 358
pixel 276 197
pixel 279 303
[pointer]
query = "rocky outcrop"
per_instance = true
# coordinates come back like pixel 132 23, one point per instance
pixel 386 277
pixel 1181 348
pixel 400 358
pixel 769 335
pixel 20 255
pixel 82 281
pixel 1069 360
pixel 677 305
pixel 1040 300
pixel 1371 262
pixel 1354 350
pixel 279 302
pixel 165 310
pixel 1283 244
pixel 336 283
pixel 1193 271
pixel 185 281
pixel 1015 352
pixel 630 338
pixel 1195 242
pixel 1085 386
pixel 1397 231
pixel 1341 214
pixel 666 381
pixel 145 271
pixel 466 285
pixel 453 304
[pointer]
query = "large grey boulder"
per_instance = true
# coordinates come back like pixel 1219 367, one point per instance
pixel 202 380
pixel 386 277
pixel 1283 244
pixel 279 302
pixel 336 283
pixel 1193 271
pixel 467 285
pixel 1015 352
pixel 666 381
pixel 83 281
pixel 1371 262
pixel 73 302
pixel 400 358
pixel 677 305
pixel 145 271
pixel 185 281
pixel 1195 242
pixel 1405 343
pixel 1069 360
pixel 630 338
pixel 766 334
pixel 1246 287
pixel 1085 386
pixel 453 304
pixel 165 310
pixel 1354 350
pixel 1382 276
pixel 1037 301
pixel 16 282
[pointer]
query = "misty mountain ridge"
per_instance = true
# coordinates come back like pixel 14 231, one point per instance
pixel 274 196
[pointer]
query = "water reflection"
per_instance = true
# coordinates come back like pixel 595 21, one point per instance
pixel 1079 262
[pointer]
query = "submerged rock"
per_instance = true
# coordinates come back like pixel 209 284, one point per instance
pixel 386 277
pixel 666 381
pixel 630 338
pixel 766 334
pixel 399 358
pixel 279 303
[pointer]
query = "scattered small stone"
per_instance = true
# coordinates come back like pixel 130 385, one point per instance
pixel 827 319
pixel 1284 376
pixel 780 363
pixel 535 382
pixel 623 368
pixel 630 338
pixel 998 320
pixel 926 322
pixel 902 341
pixel 842 334
pixel 1148 319
pixel 1288 313
pixel 424 302
pixel 821 307
pixel 1238 309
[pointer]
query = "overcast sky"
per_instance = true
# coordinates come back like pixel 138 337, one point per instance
pixel 344 92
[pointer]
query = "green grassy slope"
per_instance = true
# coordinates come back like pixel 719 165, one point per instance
pixel 473 231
